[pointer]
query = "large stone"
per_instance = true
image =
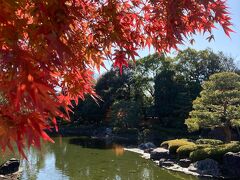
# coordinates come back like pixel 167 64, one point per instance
pixel 231 163
pixel 206 167
pixel 147 145
pixel 184 162
pixel 166 162
pixel 10 167
pixel 159 153
pixel 148 150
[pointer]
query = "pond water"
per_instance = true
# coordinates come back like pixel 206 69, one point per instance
pixel 65 160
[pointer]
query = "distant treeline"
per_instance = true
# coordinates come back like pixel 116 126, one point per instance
pixel 156 87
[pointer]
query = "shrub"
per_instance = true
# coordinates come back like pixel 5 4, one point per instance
pixel 214 152
pixel 173 145
pixel 209 141
pixel 200 154
pixel 184 151
pixel 166 143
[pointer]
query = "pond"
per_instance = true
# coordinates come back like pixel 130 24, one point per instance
pixel 65 160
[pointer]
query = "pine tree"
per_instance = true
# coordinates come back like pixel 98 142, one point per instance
pixel 218 104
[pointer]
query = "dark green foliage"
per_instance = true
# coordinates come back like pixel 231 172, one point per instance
pixel 165 93
pixel 145 72
pixel 214 152
pixel 163 87
pixel 110 87
pixel 218 104
pixel 197 66
pixel 209 141
pixel 179 81
pixel 184 151
pixel 88 111
pixel 131 131
pixel 172 100
pixel 173 145
pixel 126 114
pixel 200 154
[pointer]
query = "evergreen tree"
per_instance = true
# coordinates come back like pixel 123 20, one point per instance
pixel 218 104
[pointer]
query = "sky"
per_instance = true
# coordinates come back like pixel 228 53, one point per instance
pixel 229 46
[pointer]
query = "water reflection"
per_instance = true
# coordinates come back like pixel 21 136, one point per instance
pixel 65 160
pixel 118 150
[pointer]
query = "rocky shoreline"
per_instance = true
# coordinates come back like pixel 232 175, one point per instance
pixel 175 166
pixel 207 168
pixel 10 170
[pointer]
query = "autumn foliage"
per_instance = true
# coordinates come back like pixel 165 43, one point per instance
pixel 47 45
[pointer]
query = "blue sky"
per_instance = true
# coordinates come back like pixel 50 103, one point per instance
pixel 230 46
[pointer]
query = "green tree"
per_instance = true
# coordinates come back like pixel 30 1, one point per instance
pixel 87 112
pixel 126 114
pixel 145 71
pixel 218 104
pixel 179 80
pixel 110 87
pixel 165 93
pixel 196 66
pixel 172 99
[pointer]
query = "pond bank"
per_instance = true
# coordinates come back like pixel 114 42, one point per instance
pixel 173 164
pixel 10 170
pixel 176 167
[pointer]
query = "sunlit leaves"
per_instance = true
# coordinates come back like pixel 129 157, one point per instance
pixel 47 46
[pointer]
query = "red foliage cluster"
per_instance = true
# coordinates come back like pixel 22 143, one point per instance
pixel 51 44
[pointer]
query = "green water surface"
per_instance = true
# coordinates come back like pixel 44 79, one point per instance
pixel 65 160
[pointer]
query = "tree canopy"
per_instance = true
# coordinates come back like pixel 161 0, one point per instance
pixel 218 104
pixel 158 84
pixel 178 82
pixel 56 44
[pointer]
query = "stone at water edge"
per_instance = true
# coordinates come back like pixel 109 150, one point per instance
pixel 10 167
pixel 148 150
pixel 184 162
pixel 206 167
pixel 231 163
pixel 147 145
pixel 159 153
pixel 166 162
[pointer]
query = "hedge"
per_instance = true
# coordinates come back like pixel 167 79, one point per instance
pixel 209 141
pixel 215 152
pixel 184 151
pixel 173 145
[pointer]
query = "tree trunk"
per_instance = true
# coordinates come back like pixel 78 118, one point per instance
pixel 228 133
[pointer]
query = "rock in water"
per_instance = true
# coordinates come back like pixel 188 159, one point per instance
pixel 10 167
pixel 231 162
pixel 206 167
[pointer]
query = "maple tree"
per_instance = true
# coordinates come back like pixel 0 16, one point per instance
pixel 56 44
